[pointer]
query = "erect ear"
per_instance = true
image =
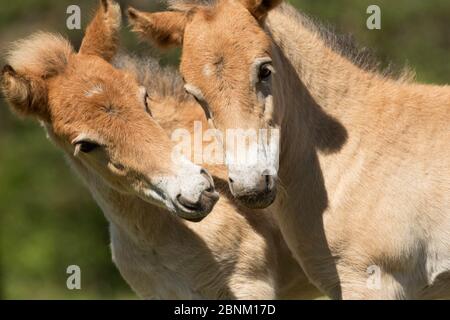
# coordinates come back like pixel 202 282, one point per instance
pixel 165 29
pixel 102 34
pixel 27 95
pixel 260 8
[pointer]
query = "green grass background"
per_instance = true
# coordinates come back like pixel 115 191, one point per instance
pixel 48 220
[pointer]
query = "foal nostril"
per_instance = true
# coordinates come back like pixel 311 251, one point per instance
pixel 210 192
pixel 269 182
pixel 209 198
pixel 205 203
pixel 188 204
pixel 208 177
pixel 210 189
pixel 231 180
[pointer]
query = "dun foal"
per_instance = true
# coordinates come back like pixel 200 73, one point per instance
pixel 364 159
pixel 103 121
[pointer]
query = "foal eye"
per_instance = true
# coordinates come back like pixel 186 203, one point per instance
pixel 147 108
pixel 86 146
pixel 265 72
pixel 196 98
pixel 194 92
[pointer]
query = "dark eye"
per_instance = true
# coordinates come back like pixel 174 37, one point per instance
pixel 194 92
pixel 196 99
pixel 147 108
pixel 264 72
pixel 86 146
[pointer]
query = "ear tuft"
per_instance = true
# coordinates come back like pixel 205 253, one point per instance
pixel 26 95
pixel 105 5
pixel 31 62
pixel 102 34
pixel 7 69
pixel 165 29
pixel 41 54
pixel 132 13
pixel 260 8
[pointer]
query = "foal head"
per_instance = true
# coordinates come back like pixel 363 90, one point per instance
pixel 227 66
pixel 102 118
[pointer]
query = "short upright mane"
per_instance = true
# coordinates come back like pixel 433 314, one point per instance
pixel 42 54
pixel 346 46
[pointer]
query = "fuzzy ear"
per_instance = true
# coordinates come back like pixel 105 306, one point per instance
pixel 102 34
pixel 260 8
pixel 27 95
pixel 165 29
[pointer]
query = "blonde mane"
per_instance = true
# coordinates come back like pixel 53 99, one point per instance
pixel 346 46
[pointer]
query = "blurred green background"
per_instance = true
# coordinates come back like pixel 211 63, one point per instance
pixel 48 220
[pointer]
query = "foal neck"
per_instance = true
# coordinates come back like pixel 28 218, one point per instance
pixel 334 82
pixel 143 223
pixel 321 98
